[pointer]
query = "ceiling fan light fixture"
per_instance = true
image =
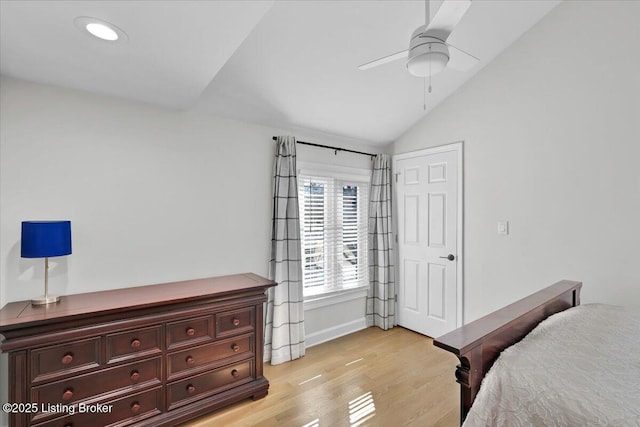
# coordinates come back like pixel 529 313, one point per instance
pixel 427 64
pixel 427 55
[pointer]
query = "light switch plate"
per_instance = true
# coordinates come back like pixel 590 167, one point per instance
pixel 503 227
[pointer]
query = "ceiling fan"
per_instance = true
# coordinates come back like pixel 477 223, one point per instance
pixel 429 53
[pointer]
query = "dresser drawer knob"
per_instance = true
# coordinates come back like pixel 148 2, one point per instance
pixel 191 332
pixel 135 375
pixel 135 343
pixel 191 389
pixel 235 373
pixel 190 360
pixel 68 394
pixel 135 407
pixel 67 358
pixel 235 347
pixel 236 321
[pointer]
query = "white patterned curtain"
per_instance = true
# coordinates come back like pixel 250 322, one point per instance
pixel 284 316
pixel 382 289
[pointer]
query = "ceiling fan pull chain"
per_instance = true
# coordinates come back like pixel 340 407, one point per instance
pixel 429 59
pixel 424 94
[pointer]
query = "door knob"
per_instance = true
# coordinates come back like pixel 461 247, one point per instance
pixel 450 257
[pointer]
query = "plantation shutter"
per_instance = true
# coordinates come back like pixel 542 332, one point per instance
pixel 333 219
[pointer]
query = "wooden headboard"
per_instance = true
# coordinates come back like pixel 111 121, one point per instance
pixel 478 344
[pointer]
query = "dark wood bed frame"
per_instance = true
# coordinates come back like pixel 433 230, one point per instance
pixel 478 344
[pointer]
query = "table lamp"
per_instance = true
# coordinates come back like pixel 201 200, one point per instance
pixel 44 239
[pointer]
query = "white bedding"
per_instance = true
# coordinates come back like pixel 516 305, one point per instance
pixel 580 367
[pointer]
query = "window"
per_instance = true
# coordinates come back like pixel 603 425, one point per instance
pixel 333 219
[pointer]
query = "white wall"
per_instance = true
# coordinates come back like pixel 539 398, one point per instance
pixel 334 316
pixel 552 145
pixel 154 195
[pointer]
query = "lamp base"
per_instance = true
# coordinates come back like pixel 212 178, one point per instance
pixel 46 299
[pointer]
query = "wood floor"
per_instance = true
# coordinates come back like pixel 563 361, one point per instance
pixel 369 378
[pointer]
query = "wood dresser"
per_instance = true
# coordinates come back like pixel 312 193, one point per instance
pixel 151 356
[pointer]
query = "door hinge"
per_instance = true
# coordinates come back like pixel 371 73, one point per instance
pixel 396 238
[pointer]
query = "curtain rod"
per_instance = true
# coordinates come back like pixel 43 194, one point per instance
pixel 330 147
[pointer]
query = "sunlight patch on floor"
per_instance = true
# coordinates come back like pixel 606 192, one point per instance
pixel 314 423
pixel 354 361
pixel 310 379
pixel 361 409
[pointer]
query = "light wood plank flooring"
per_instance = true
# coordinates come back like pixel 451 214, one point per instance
pixel 369 378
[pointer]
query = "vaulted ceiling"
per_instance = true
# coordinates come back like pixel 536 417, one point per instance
pixel 287 64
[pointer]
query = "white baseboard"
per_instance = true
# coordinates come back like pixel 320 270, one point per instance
pixel 335 332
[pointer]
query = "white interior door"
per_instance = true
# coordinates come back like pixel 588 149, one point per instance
pixel 428 186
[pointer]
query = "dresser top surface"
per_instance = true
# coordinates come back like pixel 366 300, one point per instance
pixel 21 314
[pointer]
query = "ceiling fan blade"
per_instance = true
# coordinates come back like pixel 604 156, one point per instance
pixel 460 60
pixel 447 17
pixel 384 60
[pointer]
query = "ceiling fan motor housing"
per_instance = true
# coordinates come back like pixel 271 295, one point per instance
pixel 428 55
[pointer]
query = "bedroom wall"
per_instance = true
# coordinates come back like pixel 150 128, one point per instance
pixel 551 136
pixel 154 195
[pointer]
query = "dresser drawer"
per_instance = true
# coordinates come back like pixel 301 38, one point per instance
pixel 79 388
pixel 198 358
pixel 189 331
pixel 63 359
pixel 134 343
pixel 202 385
pixel 124 411
pixel 235 322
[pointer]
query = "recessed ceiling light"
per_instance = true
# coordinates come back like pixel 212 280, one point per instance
pixel 100 29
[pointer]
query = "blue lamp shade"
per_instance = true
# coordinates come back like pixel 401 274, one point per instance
pixel 41 239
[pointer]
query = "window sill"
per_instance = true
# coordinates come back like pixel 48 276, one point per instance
pixel 330 298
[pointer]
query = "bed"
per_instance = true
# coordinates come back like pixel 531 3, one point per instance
pixel 572 365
